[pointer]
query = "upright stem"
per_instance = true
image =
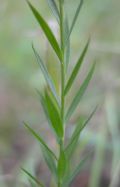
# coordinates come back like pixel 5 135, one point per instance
pixel 62 62
pixel 62 75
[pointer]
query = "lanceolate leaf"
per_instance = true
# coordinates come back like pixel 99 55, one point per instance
pixel 69 151
pixel 48 114
pixel 67 48
pixel 50 162
pixel 66 27
pixel 47 31
pixel 62 165
pixel 80 126
pixel 76 134
pixel 80 93
pixel 49 156
pixel 33 178
pixel 54 117
pixel 74 20
pixel 43 103
pixel 46 74
pixel 76 69
pixel 37 136
pixel 74 174
pixel 54 9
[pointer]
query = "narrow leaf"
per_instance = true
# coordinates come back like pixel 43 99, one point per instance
pixel 80 126
pixel 76 134
pixel 70 179
pixel 54 9
pixel 76 69
pixel 37 136
pixel 80 93
pixel 43 103
pixel 49 156
pixel 50 162
pixel 47 113
pixel 62 165
pixel 47 31
pixel 46 74
pixel 54 116
pixel 74 20
pixel 67 49
pixel 33 178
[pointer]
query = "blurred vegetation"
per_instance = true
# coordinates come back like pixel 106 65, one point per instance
pixel 20 75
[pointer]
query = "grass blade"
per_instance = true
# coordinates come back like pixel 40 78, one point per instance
pixel 54 9
pixel 74 20
pixel 40 140
pixel 46 74
pixel 76 134
pixel 47 31
pixel 80 93
pixel 33 178
pixel 76 69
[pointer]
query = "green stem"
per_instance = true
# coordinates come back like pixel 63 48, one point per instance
pixel 61 25
pixel 62 76
pixel 62 62
pixel 62 92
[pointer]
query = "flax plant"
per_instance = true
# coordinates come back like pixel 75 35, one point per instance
pixel 53 104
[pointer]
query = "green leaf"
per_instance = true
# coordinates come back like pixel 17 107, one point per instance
pixel 46 75
pixel 47 31
pixel 33 178
pixel 43 103
pixel 67 49
pixel 40 140
pixel 54 116
pixel 52 113
pixel 74 20
pixel 61 165
pixel 74 174
pixel 76 134
pixel 54 9
pixel 49 156
pixel 76 70
pixel 50 162
pixel 80 93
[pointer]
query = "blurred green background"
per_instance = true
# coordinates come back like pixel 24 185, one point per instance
pixel 20 75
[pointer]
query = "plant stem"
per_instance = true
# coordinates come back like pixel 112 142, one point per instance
pixel 62 76
pixel 62 93
pixel 62 62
